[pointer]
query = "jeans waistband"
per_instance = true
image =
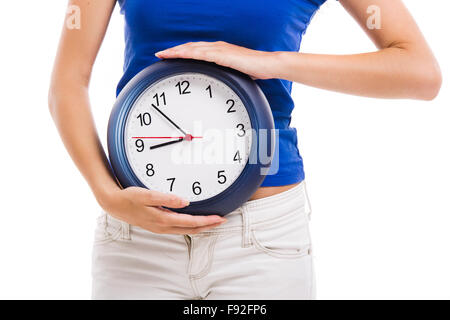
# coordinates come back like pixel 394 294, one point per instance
pixel 255 211
pixel 266 209
pixel 276 205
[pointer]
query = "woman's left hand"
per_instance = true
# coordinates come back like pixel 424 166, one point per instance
pixel 257 64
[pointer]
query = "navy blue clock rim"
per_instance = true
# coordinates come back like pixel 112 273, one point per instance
pixel 247 90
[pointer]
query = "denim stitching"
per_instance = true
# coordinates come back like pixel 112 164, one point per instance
pixel 302 253
pixel 126 231
pixel 191 259
pixel 246 242
pixel 108 237
pixel 124 227
pixel 207 233
pixel 188 240
pixel 272 221
pixel 307 200
pixel 207 268
pixel 261 223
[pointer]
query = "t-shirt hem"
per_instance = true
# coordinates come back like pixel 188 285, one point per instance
pixel 277 180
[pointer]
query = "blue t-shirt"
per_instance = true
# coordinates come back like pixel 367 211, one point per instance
pixel 268 25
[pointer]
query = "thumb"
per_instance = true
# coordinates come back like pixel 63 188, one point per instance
pixel 156 198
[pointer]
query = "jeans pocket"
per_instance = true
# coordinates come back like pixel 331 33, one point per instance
pixel 108 230
pixel 288 237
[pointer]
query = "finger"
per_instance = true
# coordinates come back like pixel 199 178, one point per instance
pixel 191 221
pixel 171 51
pixel 192 44
pixel 184 46
pixel 187 50
pixel 182 52
pixel 197 53
pixel 156 198
pixel 174 219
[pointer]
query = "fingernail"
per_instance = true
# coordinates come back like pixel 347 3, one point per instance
pixel 185 202
pixel 159 53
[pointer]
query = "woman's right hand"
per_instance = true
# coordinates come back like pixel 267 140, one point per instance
pixel 142 207
pixel 70 108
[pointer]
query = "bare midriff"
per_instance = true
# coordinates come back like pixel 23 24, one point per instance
pixel 264 192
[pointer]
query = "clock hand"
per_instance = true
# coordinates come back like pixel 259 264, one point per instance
pixel 173 123
pixel 166 143
pixel 186 137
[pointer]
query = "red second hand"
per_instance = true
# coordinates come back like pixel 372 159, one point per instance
pixel 187 137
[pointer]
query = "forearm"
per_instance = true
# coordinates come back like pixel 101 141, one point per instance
pixel 388 73
pixel 69 106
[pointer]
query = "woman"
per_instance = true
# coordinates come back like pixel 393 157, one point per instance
pixel 263 250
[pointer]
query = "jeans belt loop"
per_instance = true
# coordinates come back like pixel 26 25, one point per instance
pixel 246 223
pixel 125 231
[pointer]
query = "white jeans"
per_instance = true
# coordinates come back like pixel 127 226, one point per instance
pixel 263 251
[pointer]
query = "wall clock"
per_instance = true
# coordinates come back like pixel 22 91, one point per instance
pixel 195 129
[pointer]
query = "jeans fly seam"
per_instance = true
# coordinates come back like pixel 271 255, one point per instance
pixel 206 269
pixel 191 259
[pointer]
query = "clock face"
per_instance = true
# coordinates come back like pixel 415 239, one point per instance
pixel 188 134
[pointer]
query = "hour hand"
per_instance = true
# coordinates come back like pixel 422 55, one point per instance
pixel 166 143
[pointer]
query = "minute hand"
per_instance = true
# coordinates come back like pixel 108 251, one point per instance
pixel 168 119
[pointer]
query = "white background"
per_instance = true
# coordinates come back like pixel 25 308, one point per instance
pixel 377 170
